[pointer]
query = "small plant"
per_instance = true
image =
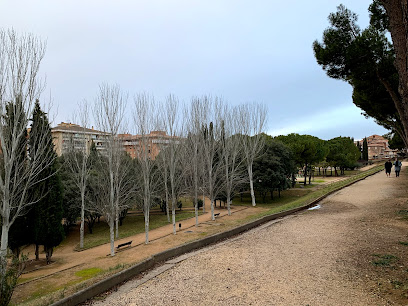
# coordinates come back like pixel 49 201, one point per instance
pixel 403 213
pixel 396 284
pixel 9 274
pixel 199 203
pixel 384 260
pixel 403 242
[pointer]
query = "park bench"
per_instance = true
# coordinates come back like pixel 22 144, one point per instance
pixel 124 244
pixel 216 215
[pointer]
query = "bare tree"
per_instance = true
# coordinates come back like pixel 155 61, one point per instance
pixel 174 151
pixel 109 111
pixel 211 135
pixel 145 120
pixel 194 150
pixel 77 160
pixel 232 153
pixel 252 122
pixel 20 87
pixel 163 159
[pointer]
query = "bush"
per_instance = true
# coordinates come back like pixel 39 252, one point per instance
pixel 9 274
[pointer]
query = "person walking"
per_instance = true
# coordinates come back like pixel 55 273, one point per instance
pixel 388 167
pixel 397 167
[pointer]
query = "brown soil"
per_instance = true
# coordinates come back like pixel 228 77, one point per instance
pixel 351 251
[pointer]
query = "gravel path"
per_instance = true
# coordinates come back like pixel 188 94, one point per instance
pixel 317 257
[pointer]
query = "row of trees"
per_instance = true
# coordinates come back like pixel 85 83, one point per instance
pixel 211 152
pixel 309 151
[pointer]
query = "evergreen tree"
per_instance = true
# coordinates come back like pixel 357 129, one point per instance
pixel 365 149
pixel 48 212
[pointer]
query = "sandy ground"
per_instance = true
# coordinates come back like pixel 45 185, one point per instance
pixel 325 256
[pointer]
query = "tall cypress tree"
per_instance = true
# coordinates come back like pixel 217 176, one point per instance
pixel 365 149
pixel 48 212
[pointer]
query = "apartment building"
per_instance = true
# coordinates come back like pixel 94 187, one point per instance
pixel 153 143
pixel 65 135
pixel 378 148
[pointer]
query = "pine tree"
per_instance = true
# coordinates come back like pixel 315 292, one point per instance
pixel 48 212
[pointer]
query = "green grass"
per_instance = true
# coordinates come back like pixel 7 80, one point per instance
pixel 403 243
pixel 24 279
pixel 132 225
pixel 88 273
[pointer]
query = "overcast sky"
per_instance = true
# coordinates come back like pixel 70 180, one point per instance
pixel 244 51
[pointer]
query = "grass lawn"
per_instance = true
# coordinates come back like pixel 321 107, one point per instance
pixel 133 224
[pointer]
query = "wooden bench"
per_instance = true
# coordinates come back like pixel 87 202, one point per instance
pixel 216 215
pixel 124 244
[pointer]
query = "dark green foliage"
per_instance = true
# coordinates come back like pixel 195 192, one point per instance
pixel 365 150
pixel 306 150
pixel 342 153
pixel 199 203
pixel 21 233
pixel 273 169
pixel 48 211
pixel 394 141
pixel 364 59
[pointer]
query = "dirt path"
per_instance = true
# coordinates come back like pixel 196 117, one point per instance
pixel 348 252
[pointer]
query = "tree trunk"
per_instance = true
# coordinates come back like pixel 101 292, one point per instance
pixel 117 216
pixel 305 175
pixel 82 226
pixel 251 185
pixel 173 218
pixel 212 210
pixel 48 253
pixel 203 202
pixel 146 214
pixel 117 227
pixel 4 238
pixel 37 252
pixel 397 11
pixel 167 200
pixel 112 234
